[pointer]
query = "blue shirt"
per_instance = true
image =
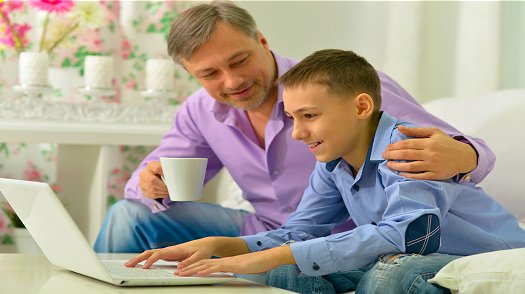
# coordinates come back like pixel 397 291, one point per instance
pixel 393 214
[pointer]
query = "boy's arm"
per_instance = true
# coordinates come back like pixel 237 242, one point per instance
pixel 320 210
pixel 193 251
pixel 250 263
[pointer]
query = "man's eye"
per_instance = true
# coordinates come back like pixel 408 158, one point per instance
pixel 240 62
pixel 309 116
pixel 209 75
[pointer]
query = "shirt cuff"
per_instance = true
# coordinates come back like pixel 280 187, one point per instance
pixel 477 174
pixel 259 242
pixel 313 257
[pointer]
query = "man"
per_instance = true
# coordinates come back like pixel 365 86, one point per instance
pixel 237 121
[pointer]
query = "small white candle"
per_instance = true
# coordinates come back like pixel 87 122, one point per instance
pixel 159 74
pixel 98 72
pixel 32 69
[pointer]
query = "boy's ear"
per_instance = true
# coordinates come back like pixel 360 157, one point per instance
pixel 364 105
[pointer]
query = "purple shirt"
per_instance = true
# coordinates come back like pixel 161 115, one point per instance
pixel 272 180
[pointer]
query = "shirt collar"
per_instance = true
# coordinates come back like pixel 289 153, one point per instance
pixel 382 138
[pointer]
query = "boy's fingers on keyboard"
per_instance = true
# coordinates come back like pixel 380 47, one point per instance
pixel 152 259
pixel 143 256
pixel 190 260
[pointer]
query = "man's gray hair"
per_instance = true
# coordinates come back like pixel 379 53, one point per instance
pixel 195 26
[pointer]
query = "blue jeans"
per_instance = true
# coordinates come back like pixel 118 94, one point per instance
pixel 131 227
pixel 403 273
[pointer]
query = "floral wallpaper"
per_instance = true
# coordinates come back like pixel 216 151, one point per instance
pixel 129 31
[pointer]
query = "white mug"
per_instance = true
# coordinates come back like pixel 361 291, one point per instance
pixel 184 177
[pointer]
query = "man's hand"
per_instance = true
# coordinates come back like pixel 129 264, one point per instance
pixel 150 183
pixel 432 155
pixel 250 263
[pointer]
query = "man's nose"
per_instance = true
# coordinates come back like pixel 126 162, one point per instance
pixel 233 80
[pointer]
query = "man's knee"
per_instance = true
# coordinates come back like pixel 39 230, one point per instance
pixel 126 209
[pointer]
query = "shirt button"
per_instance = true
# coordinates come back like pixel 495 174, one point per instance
pixel 315 267
pixel 356 187
pixel 276 171
pixel 259 243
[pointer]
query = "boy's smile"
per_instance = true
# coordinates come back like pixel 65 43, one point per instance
pixel 330 125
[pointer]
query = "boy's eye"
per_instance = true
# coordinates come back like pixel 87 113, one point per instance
pixel 309 116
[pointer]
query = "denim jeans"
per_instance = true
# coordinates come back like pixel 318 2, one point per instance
pixel 131 227
pixel 403 273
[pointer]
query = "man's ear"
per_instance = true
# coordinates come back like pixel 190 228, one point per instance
pixel 364 105
pixel 262 40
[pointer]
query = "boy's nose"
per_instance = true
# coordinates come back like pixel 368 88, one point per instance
pixel 298 132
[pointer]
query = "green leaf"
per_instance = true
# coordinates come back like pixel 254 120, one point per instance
pixel 66 62
pixel 151 28
pixel 5 149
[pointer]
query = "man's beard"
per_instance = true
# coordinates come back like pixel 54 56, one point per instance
pixel 250 104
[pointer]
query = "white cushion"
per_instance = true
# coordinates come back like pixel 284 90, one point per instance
pixel 494 272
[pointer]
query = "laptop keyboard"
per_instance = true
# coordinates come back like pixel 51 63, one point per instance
pixel 118 268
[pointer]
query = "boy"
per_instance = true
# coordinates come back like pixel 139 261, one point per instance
pixel 333 97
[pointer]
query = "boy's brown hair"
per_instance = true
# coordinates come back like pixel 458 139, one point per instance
pixel 343 72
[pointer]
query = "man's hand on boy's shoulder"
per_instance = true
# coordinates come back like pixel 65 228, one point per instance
pixel 432 155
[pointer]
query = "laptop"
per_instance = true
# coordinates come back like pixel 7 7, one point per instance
pixel 63 244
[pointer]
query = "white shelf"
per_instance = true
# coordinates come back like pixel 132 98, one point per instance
pixel 84 134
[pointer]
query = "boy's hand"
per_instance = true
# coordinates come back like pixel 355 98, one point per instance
pixel 250 263
pixel 434 155
pixel 189 252
pixel 150 183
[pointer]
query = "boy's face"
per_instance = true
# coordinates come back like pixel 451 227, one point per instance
pixel 327 123
pixel 234 68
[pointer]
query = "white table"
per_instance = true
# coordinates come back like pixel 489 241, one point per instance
pixel 84 134
pixel 26 273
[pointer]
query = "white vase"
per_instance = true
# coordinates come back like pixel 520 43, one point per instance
pixel 32 69
pixel 24 243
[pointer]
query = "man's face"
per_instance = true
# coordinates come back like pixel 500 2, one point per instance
pixel 324 121
pixel 235 69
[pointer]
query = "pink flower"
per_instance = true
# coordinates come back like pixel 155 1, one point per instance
pixel 32 173
pixel 7 38
pixel 9 6
pixel 58 6
pixel 3 223
pixel 125 48
pixel 56 188
pixel 131 84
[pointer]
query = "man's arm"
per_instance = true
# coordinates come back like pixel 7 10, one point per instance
pixel 182 140
pixel 432 155
pixel 454 155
